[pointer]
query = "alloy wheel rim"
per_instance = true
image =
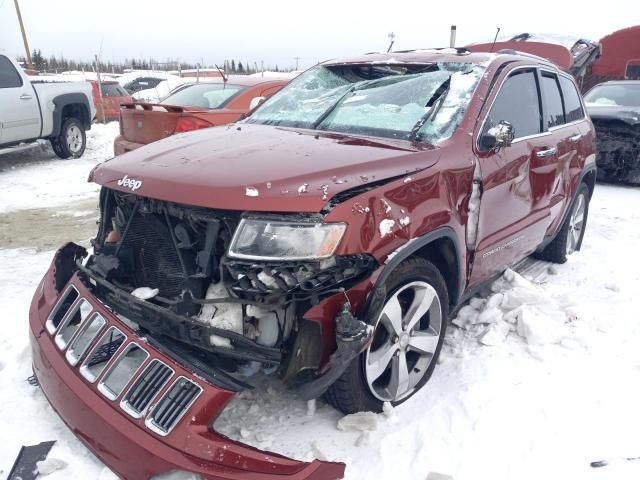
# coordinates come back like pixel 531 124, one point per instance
pixel 405 341
pixel 74 139
pixel 576 224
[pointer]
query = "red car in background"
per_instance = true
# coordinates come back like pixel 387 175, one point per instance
pixel 572 54
pixel 113 95
pixel 191 107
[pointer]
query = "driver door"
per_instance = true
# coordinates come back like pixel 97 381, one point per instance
pixel 19 110
pixel 509 225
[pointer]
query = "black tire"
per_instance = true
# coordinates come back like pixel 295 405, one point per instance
pixel 558 250
pixel 72 140
pixel 351 392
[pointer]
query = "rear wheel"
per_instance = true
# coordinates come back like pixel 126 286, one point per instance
pixel 408 336
pixel 569 238
pixel 72 140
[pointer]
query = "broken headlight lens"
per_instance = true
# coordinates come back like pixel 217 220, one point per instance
pixel 280 240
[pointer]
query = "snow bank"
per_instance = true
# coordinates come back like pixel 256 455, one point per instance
pixel 517 306
pixel 36 177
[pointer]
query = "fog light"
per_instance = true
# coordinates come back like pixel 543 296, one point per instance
pixel 178 475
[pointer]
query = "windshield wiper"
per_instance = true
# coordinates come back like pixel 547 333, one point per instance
pixel 436 101
pixel 356 86
pixel 330 109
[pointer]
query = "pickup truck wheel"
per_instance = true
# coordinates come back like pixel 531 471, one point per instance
pixel 569 238
pixel 408 336
pixel 72 139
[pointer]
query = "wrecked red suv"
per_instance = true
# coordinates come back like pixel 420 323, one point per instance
pixel 325 240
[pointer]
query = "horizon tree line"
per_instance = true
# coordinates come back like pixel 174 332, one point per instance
pixel 57 64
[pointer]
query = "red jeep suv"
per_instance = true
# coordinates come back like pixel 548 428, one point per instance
pixel 325 240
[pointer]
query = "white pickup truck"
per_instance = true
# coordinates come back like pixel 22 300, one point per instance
pixel 59 112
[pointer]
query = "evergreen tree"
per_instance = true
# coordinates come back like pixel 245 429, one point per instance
pixel 38 60
pixel 240 68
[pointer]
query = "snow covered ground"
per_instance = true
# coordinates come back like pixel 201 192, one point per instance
pixel 538 377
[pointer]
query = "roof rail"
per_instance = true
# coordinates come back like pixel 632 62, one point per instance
pixel 511 51
pixel 458 50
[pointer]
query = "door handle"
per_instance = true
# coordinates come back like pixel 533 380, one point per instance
pixel 575 138
pixel 25 96
pixel 547 152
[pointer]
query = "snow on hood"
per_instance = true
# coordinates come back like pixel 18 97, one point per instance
pixel 629 115
pixel 259 168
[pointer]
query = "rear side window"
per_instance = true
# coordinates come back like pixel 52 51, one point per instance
pixel 519 104
pixel 113 90
pixel 203 95
pixel 142 83
pixel 9 76
pixel 554 113
pixel 572 106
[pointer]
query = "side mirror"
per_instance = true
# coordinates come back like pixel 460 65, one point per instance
pixel 499 136
pixel 255 101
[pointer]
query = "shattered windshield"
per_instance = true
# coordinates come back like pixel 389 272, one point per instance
pixel 423 102
pixel 614 95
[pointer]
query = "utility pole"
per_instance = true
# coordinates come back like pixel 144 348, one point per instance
pixel 101 115
pixel 297 59
pixel 24 35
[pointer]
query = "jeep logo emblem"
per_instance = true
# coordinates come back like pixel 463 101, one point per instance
pixel 131 183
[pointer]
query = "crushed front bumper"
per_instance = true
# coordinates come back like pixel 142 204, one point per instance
pixel 126 444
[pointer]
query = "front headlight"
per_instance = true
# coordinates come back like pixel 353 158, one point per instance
pixel 279 240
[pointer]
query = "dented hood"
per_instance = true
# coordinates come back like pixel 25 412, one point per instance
pixel 259 168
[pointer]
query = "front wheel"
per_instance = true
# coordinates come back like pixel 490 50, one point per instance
pixel 569 238
pixel 72 140
pixel 408 336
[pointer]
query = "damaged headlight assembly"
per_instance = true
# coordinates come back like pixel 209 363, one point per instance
pixel 263 239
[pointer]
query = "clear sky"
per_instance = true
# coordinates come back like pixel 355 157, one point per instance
pixel 277 31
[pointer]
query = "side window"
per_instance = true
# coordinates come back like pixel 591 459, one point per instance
pixel 150 82
pixel 572 106
pixel 518 103
pixel 633 70
pixel 9 76
pixel 554 113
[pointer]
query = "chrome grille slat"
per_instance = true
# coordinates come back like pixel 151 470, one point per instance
pixel 173 405
pixel 72 322
pixel 146 387
pixel 84 338
pixel 102 353
pixel 61 309
pixel 123 370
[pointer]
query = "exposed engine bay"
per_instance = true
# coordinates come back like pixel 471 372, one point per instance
pixel 618 150
pixel 164 269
